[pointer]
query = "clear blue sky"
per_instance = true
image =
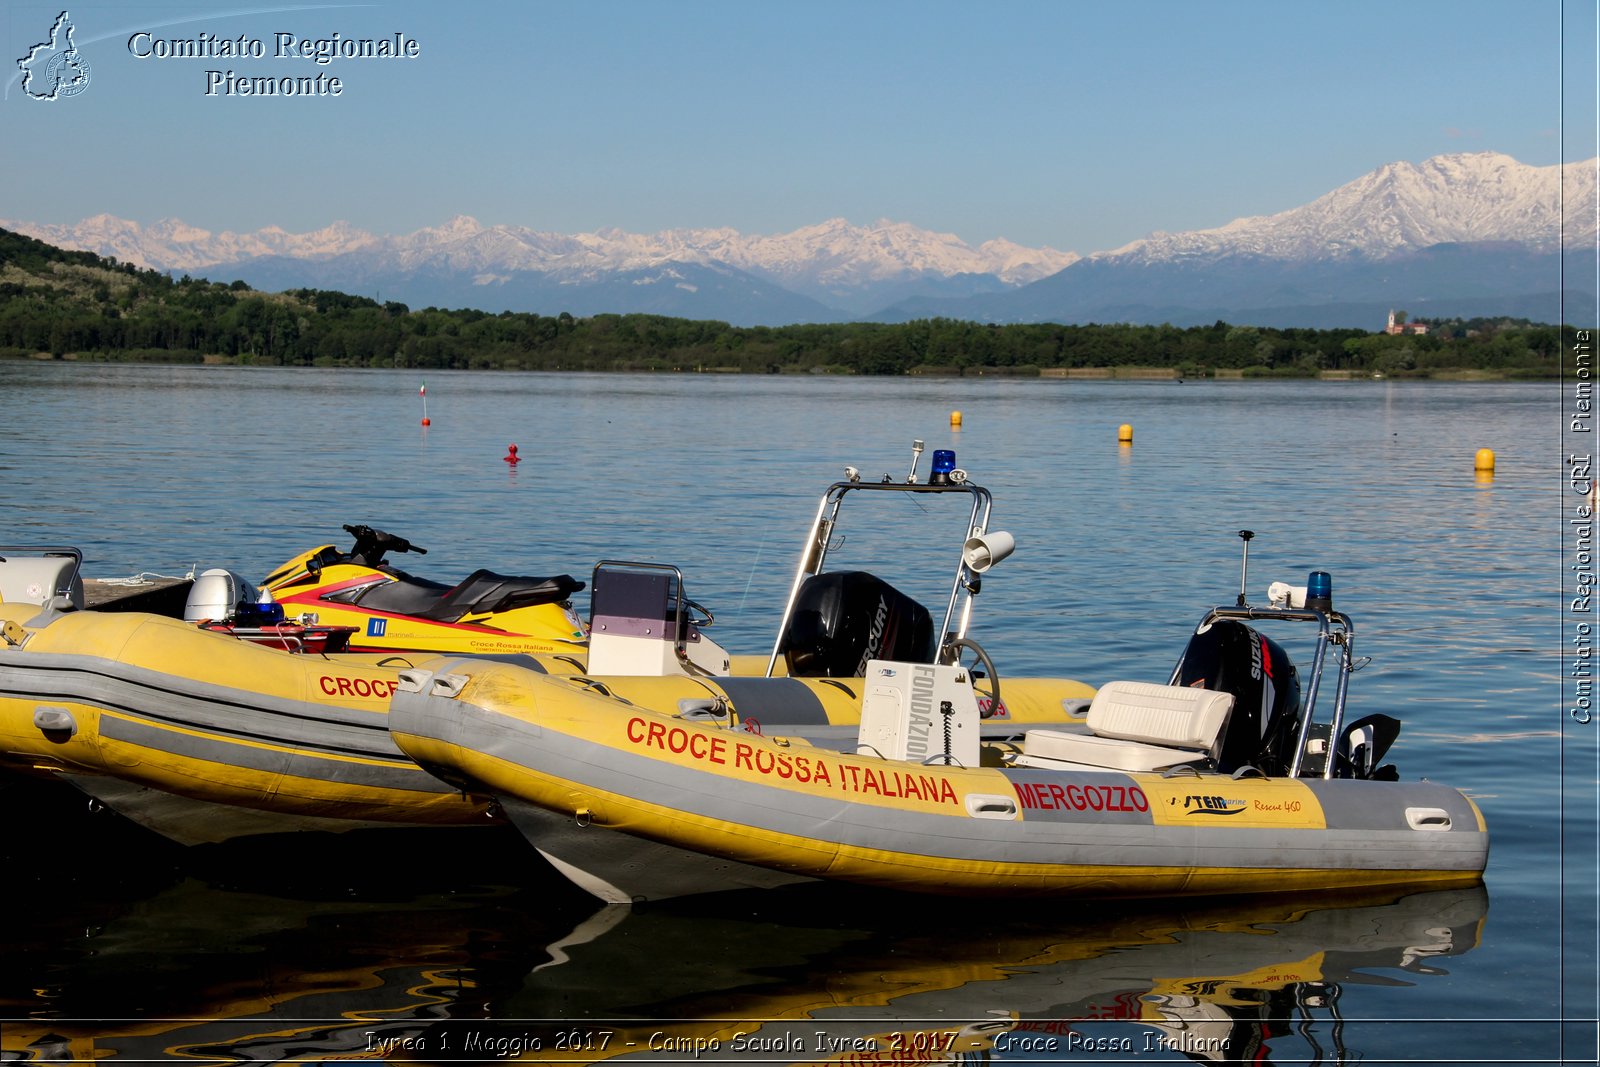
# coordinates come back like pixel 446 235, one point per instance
pixel 1072 124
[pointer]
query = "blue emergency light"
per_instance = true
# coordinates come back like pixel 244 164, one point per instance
pixel 1319 591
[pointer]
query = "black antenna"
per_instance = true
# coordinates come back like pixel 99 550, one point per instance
pixel 1244 565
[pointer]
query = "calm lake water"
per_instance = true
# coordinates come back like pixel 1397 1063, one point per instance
pixel 123 947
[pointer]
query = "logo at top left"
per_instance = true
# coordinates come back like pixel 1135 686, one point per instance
pixel 54 69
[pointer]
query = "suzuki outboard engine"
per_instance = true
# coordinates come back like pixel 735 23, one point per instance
pixel 1230 657
pixel 845 618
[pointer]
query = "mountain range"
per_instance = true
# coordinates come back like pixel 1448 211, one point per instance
pixel 1470 234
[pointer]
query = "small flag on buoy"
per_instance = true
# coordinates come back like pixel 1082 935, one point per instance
pixel 423 392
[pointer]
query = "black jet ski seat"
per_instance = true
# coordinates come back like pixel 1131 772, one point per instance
pixel 481 592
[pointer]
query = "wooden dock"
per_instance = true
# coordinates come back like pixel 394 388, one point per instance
pixel 154 594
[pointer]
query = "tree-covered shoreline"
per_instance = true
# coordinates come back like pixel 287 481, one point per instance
pixel 75 305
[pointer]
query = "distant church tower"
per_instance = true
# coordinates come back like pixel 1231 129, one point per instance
pixel 1390 328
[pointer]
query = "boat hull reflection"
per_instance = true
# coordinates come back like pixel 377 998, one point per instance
pixel 818 973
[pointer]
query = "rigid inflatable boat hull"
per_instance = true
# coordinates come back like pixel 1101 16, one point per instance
pixel 158 704
pixel 146 713
pixel 619 771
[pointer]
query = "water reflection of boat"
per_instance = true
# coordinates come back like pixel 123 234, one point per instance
pixel 1228 981
pixel 320 955
pixel 813 974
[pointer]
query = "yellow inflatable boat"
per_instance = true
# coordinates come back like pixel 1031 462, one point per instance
pixel 1219 781
pixel 203 737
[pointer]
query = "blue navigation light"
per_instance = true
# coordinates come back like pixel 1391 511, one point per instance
pixel 944 461
pixel 1319 591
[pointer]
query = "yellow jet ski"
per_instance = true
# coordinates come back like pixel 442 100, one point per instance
pixel 391 610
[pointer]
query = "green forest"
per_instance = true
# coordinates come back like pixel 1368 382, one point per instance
pixel 76 305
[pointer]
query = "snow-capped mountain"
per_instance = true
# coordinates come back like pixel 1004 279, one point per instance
pixel 1471 234
pixel 825 269
pixel 1481 228
pixel 174 245
pixel 1403 207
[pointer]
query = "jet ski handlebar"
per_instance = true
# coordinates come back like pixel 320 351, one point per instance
pixel 371 544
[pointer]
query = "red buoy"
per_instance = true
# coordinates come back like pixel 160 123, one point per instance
pixel 511 455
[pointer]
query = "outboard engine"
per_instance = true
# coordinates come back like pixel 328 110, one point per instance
pixel 217 594
pixel 842 619
pixel 1230 657
pixel 220 595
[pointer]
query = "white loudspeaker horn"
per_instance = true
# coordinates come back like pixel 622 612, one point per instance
pixel 984 550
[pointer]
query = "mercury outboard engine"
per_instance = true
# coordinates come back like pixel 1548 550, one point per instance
pixel 1230 657
pixel 842 619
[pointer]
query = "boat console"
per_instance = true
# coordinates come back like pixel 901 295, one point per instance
pixel 642 623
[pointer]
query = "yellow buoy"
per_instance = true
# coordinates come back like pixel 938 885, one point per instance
pixel 1125 434
pixel 955 419
pixel 1484 460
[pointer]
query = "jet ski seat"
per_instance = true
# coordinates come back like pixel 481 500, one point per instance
pixel 485 592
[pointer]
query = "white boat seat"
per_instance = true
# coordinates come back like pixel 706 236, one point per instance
pixel 37 579
pixel 1139 726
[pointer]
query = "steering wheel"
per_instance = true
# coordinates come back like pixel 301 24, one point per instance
pixel 952 653
pixel 690 607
